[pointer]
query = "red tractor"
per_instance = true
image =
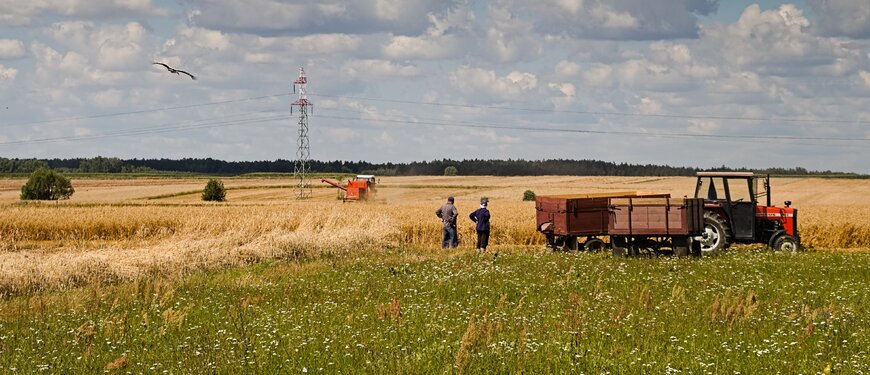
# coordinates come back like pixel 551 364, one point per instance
pixel 732 213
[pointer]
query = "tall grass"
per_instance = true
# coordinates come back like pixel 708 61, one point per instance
pixel 538 312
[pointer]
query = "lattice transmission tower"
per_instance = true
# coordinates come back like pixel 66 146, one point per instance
pixel 302 166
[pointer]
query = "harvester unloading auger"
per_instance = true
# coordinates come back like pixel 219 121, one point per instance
pixel 361 187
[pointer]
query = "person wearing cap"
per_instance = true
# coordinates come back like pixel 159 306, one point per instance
pixel 448 213
pixel 481 217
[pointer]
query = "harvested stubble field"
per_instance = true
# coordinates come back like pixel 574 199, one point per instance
pixel 142 273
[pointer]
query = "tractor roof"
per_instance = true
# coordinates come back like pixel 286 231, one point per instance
pixel 726 174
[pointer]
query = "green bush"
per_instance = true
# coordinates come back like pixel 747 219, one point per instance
pixel 450 171
pixel 214 191
pixel 46 184
pixel 528 195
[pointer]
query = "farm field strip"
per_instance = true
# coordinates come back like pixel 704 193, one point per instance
pixel 105 238
pixel 535 312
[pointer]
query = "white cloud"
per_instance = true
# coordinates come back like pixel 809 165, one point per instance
pixel 442 38
pixel 425 47
pixel 610 18
pixel 614 19
pixel 842 17
pixel 7 75
pixel 274 17
pixel 865 76
pixel 25 12
pixel 510 38
pixel 512 86
pixel 566 89
pixel 368 69
pixel 565 68
pixel 598 75
pixel 11 49
pixel 273 50
pixel 111 47
pixel 567 55
pixel 776 41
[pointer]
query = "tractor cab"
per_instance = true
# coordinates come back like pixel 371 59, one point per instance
pixel 733 213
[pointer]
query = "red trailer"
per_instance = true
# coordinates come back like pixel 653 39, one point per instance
pixel 653 224
pixel 633 221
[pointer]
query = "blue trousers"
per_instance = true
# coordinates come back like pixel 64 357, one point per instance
pixel 449 237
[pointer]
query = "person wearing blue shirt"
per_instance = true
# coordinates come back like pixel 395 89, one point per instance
pixel 481 217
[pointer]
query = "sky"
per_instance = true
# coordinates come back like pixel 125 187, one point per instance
pixel 697 83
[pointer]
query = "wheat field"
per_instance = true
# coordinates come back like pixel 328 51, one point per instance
pixel 120 230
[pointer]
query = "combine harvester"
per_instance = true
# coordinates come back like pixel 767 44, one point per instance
pixel 361 187
pixel 729 212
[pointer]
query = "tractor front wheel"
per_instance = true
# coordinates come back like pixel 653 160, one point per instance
pixel 717 234
pixel 786 242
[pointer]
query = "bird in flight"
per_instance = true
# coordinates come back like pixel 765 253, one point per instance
pixel 173 70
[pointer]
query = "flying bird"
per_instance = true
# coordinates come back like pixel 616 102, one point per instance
pixel 173 70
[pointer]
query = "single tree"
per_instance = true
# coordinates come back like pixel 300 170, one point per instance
pixel 450 171
pixel 46 184
pixel 528 195
pixel 214 191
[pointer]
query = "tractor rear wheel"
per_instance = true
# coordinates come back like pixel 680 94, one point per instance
pixel 786 242
pixel 594 245
pixel 717 234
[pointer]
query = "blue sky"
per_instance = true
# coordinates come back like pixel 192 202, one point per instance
pixel 684 82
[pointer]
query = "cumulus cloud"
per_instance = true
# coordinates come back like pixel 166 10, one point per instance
pixel 510 38
pixel 369 69
pixel 11 49
pixel 616 19
pixel 842 17
pixel 477 81
pixel 865 77
pixel 442 39
pixel 425 48
pixel 7 75
pixel 25 12
pixel 567 55
pixel 112 47
pixel 565 68
pixel 775 41
pixel 274 17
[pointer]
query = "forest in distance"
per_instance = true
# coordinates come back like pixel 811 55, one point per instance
pixel 479 167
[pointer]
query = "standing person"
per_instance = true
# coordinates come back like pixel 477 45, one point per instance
pixel 448 213
pixel 481 217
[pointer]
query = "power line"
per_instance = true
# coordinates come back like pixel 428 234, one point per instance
pixel 150 130
pixel 203 124
pixel 735 138
pixel 116 114
pixel 604 113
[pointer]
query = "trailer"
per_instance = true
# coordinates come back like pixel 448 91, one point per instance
pixel 634 222
pixel 639 225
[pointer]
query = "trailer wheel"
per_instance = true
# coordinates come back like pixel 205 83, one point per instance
pixel 717 234
pixel 570 243
pixel 694 247
pixel 594 245
pixel 786 242
pixel 681 246
pixel 619 245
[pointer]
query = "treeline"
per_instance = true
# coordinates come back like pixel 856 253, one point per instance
pixel 510 167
